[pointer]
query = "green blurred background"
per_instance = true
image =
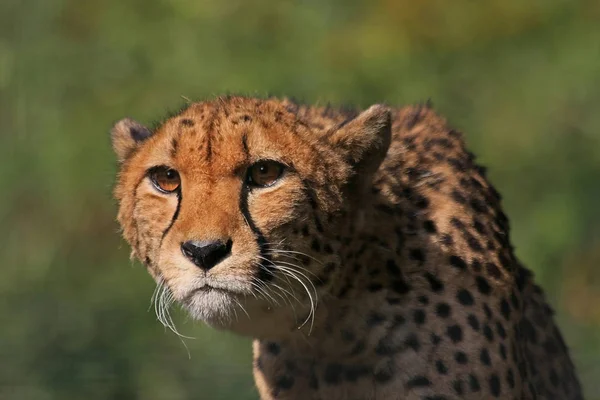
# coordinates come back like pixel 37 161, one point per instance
pixel 520 78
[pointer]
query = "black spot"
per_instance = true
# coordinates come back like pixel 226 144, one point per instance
pixel 187 122
pixel 493 270
pixel 510 378
pixel 514 300
pixel 456 164
pixel 316 245
pixel 313 381
pixel 329 267
pixel 305 231
pixel 505 260
pixel 477 205
pixel 458 224
pixel 474 383
pixel 358 348
pixel 375 319
pixel 487 311
pixel 421 201
pixel 441 367
pixel 385 208
pixel 400 287
pixel 505 309
pixel 392 268
pixel 479 227
pixel 393 300
pixel 385 374
pixel 397 321
pixel 333 374
pixel 458 197
pixel 273 348
pixel 386 346
pixel 417 255
pixel 318 223
pixel 482 285
pixel 344 291
pixel 460 357
pixel 458 262
pixel 413 342
pixel 423 300
pixel 473 322
pixel 495 385
pixel 476 265
pixel 353 372
pixel 502 349
pixel 284 382
pixel 418 381
pixel 458 387
pixel 435 284
pixel 429 226
pixel 500 330
pixel 447 240
pixel 488 333
pixel 442 310
pixel 328 249
pixel 419 316
pixel 374 287
pixel 464 297
pixel 484 356
pixel 454 333
pixel 474 244
pixel 435 339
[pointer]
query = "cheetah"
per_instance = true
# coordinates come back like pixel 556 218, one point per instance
pixel 365 252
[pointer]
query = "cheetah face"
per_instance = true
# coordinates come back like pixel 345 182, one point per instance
pixel 215 201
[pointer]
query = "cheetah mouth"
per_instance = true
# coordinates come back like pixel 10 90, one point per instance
pixel 207 290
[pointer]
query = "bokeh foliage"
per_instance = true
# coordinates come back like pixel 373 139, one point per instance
pixel 521 78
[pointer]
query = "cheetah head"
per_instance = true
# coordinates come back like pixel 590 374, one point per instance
pixel 231 204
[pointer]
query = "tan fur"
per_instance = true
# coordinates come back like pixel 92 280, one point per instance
pixel 377 267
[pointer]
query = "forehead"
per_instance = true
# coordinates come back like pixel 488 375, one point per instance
pixel 222 137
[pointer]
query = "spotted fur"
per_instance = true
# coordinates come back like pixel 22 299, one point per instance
pixel 378 266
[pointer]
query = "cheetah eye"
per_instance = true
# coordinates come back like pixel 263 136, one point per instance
pixel 164 179
pixel 264 173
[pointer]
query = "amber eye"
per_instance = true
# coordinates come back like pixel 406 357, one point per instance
pixel 264 173
pixel 165 179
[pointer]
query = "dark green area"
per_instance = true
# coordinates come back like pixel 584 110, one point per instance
pixel 521 78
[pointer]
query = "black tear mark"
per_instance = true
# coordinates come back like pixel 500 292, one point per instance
pixel 265 273
pixel 175 215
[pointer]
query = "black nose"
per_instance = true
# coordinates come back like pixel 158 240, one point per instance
pixel 206 254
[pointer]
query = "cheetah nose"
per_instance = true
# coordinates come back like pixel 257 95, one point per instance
pixel 206 254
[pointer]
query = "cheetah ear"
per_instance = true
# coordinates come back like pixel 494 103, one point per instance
pixel 126 135
pixel 365 140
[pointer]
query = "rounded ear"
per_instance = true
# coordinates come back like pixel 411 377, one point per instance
pixel 126 136
pixel 364 142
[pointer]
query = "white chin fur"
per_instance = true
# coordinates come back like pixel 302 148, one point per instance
pixel 257 318
pixel 215 307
